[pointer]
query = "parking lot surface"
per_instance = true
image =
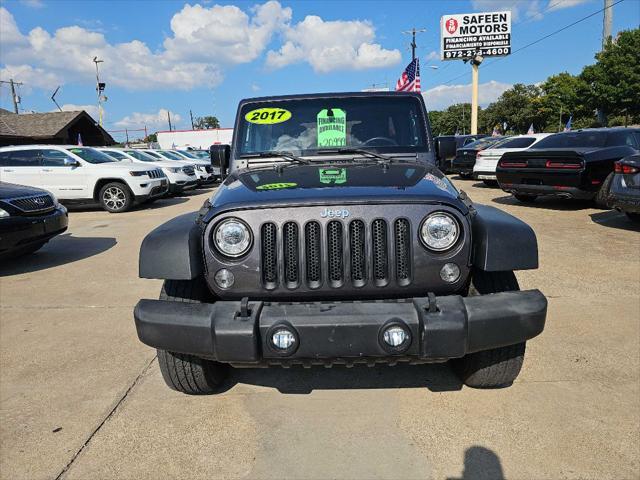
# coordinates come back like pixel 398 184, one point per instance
pixel 81 397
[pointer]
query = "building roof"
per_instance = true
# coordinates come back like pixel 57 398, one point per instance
pixel 35 124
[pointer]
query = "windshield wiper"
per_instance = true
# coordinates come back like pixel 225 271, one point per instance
pixel 360 151
pixel 276 153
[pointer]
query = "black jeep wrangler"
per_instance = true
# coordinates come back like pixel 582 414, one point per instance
pixel 335 240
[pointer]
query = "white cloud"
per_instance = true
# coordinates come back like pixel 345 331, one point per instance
pixel 31 77
pixel 442 96
pixel 152 121
pixel 433 55
pixel 332 45
pixel 255 87
pixel 527 9
pixel 90 109
pixel 558 4
pixel 33 3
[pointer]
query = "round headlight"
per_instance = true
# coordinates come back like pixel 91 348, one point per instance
pixel 440 231
pixel 232 237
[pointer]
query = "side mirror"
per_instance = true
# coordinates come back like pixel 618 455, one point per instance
pixel 70 162
pixel 220 155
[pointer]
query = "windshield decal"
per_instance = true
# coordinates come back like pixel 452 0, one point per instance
pixel 332 128
pixel 437 181
pixel 335 176
pixel 276 186
pixel 268 116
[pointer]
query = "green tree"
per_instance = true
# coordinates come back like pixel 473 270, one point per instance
pixel 518 107
pixel 151 138
pixel 563 96
pixel 455 119
pixel 614 80
pixel 207 122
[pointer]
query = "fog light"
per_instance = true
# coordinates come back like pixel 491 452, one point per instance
pixel 224 279
pixel 394 336
pixel 283 339
pixel 450 272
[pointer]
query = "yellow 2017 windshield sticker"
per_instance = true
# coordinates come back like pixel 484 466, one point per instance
pixel 276 186
pixel 268 116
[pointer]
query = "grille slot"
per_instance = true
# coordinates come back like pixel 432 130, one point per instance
pixel 189 170
pixel 357 241
pixel 312 254
pixel 290 254
pixel 335 253
pixel 380 255
pixel 34 204
pixel 269 255
pixel 402 238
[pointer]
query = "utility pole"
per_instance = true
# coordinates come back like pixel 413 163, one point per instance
pixel 14 96
pixel 191 115
pixel 607 22
pixel 560 120
pixel 475 64
pixel 99 90
pixel 169 118
pixel 413 44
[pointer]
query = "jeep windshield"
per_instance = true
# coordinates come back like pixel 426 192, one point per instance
pixel 309 126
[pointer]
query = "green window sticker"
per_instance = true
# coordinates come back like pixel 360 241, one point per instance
pixel 332 128
pixel 276 186
pixel 333 176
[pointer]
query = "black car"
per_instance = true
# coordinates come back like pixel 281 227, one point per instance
pixel 447 145
pixel 29 218
pixel 624 194
pixel 466 156
pixel 336 240
pixel 570 164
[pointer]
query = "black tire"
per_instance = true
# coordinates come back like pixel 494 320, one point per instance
pixel 490 183
pixel 183 372
pixel 115 197
pixel 634 217
pixel 497 367
pixel 602 197
pixel 521 197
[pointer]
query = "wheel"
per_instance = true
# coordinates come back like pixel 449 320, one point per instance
pixel 490 183
pixel 521 197
pixel 634 217
pixel 183 372
pixel 497 367
pixel 602 197
pixel 115 197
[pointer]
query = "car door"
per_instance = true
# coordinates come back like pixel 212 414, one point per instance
pixel 21 167
pixel 63 175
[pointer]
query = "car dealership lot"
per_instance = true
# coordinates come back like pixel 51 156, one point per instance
pixel 81 397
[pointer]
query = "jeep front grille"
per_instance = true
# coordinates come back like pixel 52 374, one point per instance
pixel 342 251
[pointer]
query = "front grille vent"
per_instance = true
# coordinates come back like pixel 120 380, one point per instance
pixel 312 254
pixel 34 204
pixel 357 240
pixel 290 246
pixel 269 255
pixel 380 255
pixel 189 170
pixel 335 253
pixel 402 237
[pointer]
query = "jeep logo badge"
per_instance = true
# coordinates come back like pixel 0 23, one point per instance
pixel 335 213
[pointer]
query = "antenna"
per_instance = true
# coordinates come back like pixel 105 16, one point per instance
pixel 53 97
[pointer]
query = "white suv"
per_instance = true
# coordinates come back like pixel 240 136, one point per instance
pixel 180 178
pixel 82 175
pixel 203 168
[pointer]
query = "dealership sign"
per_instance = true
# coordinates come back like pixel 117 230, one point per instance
pixel 470 34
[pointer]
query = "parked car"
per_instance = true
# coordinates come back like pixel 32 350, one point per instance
pixel 203 169
pixel 350 247
pixel 487 160
pixel 29 218
pixel 82 175
pixel 466 156
pixel 210 169
pixel 576 164
pixel 178 176
pixel 624 195
pixel 447 145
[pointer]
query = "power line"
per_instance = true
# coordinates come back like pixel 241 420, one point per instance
pixel 541 38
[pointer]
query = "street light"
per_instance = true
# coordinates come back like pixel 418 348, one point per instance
pixel 100 86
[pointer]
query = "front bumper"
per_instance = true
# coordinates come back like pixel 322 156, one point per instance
pixel 342 332
pixel 18 231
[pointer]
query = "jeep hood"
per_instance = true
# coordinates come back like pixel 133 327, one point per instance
pixel 335 184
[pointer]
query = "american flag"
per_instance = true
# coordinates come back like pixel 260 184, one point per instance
pixel 410 79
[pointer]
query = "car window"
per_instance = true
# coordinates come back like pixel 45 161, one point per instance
pixel 21 158
pixel 54 158
pixel 145 157
pixel 637 135
pixel 585 139
pixel 154 155
pixel 617 139
pixel 171 155
pixel 522 142
pixel 115 154
pixel 188 154
pixel 91 155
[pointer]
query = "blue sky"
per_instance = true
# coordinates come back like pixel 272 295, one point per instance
pixel 206 56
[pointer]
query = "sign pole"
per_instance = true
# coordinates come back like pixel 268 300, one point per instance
pixel 474 97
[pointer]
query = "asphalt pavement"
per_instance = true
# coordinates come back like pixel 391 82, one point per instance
pixel 82 398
